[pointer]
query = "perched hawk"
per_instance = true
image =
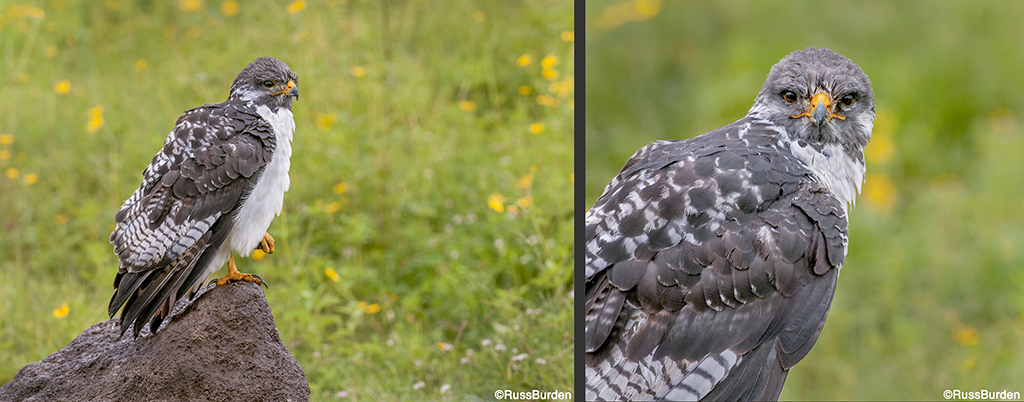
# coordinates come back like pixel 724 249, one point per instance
pixel 712 262
pixel 212 190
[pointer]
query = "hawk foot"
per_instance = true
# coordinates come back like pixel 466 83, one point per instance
pixel 267 244
pixel 238 276
pixel 235 276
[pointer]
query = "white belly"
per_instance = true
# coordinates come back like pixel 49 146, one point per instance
pixel 266 199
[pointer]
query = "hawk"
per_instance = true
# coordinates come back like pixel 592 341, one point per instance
pixel 212 190
pixel 711 262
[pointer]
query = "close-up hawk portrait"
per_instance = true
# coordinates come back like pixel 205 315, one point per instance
pixel 711 262
pixel 211 191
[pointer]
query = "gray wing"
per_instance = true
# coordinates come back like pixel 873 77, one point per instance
pixel 171 227
pixel 711 265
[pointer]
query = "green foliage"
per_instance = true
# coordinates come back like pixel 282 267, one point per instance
pixel 929 298
pixel 390 265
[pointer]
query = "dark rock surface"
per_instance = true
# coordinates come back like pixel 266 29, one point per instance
pixel 223 347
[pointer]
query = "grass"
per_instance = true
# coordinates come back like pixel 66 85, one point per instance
pixel 429 219
pixel 930 297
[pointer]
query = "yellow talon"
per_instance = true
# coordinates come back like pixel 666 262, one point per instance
pixel 267 244
pixel 235 276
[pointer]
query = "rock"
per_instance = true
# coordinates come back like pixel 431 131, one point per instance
pixel 222 347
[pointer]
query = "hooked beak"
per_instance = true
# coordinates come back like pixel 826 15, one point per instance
pixel 292 89
pixel 820 110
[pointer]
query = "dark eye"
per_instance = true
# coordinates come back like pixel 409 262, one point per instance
pixel 268 84
pixel 848 100
pixel 789 96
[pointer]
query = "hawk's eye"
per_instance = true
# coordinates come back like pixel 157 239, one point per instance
pixel 268 84
pixel 847 100
pixel 789 96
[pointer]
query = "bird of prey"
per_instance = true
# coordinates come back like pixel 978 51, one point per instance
pixel 711 262
pixel 212 190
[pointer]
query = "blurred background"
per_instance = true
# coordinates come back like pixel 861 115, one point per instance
pixel 425 248
pixel 930 297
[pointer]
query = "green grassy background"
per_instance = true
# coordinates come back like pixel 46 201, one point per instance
pixel 411 117
pixel 930 297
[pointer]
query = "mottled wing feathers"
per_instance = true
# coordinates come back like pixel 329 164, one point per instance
pixel 176 218
pixel 711 265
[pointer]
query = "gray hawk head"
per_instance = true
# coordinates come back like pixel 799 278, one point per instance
pixel 820 97
pixel 267 81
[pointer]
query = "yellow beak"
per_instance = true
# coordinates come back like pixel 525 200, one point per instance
pixel 820 109
pixel 291 84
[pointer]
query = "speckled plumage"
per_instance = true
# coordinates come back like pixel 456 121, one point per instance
pixel 218 181
pixel 711 262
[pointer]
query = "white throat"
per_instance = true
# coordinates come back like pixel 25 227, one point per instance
pixel 840 173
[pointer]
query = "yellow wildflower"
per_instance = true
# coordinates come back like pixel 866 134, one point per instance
pixel 22 77
pixel 479 16
pixel 572 178
pixel 545 100
pixel 524 202
pixel 62 311
pixel 444 346
pixel 30 179
pixel 879 191
pixel 51 52
pixel 525 90
pixel 525 182
pixel 295 7
pixel 12 173
pixel 358 71
pixel 524 60
pixel 332 208
pixel 332 275
pixel 62 87
pixel 393 297
pixel 568 36
pixel 549 74
pixel 60 219
pixel 190 6
pixel 6 139
pixel 645 9
pixel 229 8
pixel 881 148
pixel 258 254
pixel 967 336
pixel 549 61
pixel 512 209
pixel 5 154
pixel 561 88
pixel 141 64
pixel 536 128
pixel 95 119
pixel 496 202
pixel 467 106
pixel 340 188
pixel 26 11
pixel 373 308
pixel 324 120
pixel 362 305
